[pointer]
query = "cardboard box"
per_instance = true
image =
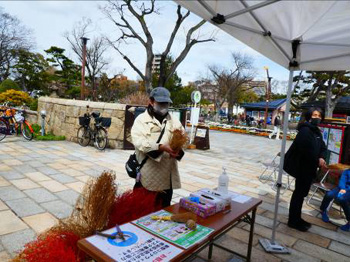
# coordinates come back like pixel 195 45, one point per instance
pixel 218 194
pixel 219 203
pixel 201 209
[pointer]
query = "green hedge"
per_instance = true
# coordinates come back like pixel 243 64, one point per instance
pixel 47 136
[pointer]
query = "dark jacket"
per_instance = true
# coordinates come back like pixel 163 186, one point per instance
pixel 302 158
pixel 277 122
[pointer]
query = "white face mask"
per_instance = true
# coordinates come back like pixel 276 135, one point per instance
pixel 161 109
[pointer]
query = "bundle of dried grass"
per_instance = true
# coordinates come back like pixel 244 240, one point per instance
pixel 92 208
pixel 91 213
pixel 178 140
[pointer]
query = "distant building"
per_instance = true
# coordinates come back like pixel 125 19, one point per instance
pixel 207 89
pixel 257 110
pixel 156 63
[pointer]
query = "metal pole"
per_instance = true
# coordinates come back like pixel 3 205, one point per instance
pixel 192 116
pixel 267 96
pixel 283 149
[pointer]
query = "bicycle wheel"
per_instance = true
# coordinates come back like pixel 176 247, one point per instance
pixel 26 131
pixel 101 139
pixel 83 136
pixel 3 129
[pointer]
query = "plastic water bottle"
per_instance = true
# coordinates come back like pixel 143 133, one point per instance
pixel 223 182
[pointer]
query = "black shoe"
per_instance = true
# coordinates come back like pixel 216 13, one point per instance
pixel 298 226
pixel 305 223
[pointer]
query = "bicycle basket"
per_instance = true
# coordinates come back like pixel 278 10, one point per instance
pixel 84 121
pixel 104 121
pixel 19 117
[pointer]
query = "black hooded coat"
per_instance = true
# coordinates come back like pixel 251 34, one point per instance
pixel 302 158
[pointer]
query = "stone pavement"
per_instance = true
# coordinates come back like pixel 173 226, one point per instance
pixel 40 182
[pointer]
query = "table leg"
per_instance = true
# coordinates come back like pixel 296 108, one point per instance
pixel 210 252
pixel 251 234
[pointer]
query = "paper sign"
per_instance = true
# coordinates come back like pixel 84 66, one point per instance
pixel 176 233
pixel 194 115
pixel 201 132
pixel 138 246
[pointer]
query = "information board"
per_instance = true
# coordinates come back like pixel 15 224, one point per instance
pixel 176 233
pixel 138 245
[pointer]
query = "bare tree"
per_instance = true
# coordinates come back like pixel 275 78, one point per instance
pixel 232 81
pixel 13 37
pixel 121 14
pixel 95 51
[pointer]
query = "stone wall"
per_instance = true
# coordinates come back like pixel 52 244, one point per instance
pixel 62 117
pixel 32 116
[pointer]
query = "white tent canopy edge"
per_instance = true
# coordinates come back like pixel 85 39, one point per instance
pixel 298 35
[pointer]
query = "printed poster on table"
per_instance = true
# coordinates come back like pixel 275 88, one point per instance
pixel 174 232
pixel 334 140
pixel 139 245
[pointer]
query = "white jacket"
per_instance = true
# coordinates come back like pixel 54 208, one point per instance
pixel 162 172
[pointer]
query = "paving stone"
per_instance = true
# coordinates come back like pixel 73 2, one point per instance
pixel 47 170
pixel 4 167
pixel 63 178
pixel 41 222
pixel 53 186
pixel 36 163
pixel 24 207
pixel 10 193
pixel 337 236
pixel 241 248
pixel 266 232
pixel 24 168
pixel 307 236
pixel 15 241
pixel 295 256
pixel 4 256
pixel 1 249
pixel 9 223
pixel 340 248
pixel 37 176
pixel 24 158
pixel 24 183
pixel 58 208
pixel 3 206
pixel 10 175
pixel 12 162
pixel 40 195
pixel 77 186
pixel 83 179
pixel 70 196
pixel 4 182
pixel 319 252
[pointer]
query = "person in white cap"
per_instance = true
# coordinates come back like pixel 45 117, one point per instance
pixel 160 172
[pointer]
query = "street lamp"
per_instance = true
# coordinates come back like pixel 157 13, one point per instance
pixel 82 89
pixel 268 90
pixel 43 115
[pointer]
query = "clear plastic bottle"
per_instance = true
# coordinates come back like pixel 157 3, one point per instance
pixel 223 182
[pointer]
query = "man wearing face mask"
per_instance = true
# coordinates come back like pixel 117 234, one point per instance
pixel 160 171
pixel 305 155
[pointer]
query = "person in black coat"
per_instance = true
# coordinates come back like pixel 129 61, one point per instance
pixel 306 154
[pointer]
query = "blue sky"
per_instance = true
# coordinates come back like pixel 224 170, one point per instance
pixel 50 19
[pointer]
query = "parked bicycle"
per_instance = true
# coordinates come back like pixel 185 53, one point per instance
pixel 97 133
pixel 12 121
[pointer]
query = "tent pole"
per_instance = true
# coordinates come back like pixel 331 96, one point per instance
pixel 283 150
pixel 272 246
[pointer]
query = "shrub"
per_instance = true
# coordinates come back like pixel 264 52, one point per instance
pixel 137 98
pixel 47 136
pixel 17 98
pixel 8 84
pixel 34 105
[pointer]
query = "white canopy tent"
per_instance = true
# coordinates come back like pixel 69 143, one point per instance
pixel 298 35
